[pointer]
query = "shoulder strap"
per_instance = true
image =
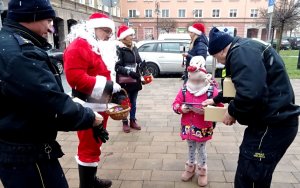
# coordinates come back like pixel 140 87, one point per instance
pixel 184 92
pixel 210 91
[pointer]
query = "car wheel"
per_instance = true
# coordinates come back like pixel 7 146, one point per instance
pixel 153 69
pixel 60 67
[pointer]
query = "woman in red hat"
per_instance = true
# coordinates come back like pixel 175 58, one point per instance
pixel 128 75
pixel 198 45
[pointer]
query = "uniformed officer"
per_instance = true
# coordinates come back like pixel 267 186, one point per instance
pixel 264 101
pixel 33 104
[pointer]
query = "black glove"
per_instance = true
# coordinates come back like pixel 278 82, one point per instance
pixel 100 132
pixel 134 75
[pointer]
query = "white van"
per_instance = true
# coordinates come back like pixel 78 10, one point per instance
pixel 174 36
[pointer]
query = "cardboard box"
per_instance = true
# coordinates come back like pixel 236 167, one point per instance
pixel 228 88
pixel 213 113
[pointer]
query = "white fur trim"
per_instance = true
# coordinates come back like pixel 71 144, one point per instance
pixel 101 22
pixel 99 87
pixel 197 75
pixel 194 30
pixel 94 164
pixel 126 33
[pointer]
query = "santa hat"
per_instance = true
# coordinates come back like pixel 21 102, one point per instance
pixel 97 20
pixel 124 31
pixel 197 70
pixel 197 28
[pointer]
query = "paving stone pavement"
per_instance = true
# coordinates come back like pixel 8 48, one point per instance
pixel 155 156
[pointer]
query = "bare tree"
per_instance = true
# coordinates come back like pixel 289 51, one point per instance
pixel 286 16
pixel 167 24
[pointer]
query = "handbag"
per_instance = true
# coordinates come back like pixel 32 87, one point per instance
pixel 126 80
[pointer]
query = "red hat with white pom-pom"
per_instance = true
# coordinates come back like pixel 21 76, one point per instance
pixel 124 31
pixel 98 20
pixel 197 28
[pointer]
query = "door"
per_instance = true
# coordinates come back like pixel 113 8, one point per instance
pixel 170 57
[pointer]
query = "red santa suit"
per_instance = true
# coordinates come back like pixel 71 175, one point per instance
pixel 89 77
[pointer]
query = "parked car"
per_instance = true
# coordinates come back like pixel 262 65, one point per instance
pixel 165 56
pixel 285 44
pixel 295 43
pixel 56 57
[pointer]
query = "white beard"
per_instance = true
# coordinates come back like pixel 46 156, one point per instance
pixel 197 90
pixel 108 52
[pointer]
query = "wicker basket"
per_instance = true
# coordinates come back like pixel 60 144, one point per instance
pixel 120 114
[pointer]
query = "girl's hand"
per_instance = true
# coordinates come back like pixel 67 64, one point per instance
pixel 208 102
pixel 185 109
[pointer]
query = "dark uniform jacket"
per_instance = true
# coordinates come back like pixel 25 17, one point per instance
pixel 199 48
pixel 128 59
pixel 33 104
pixel 264 94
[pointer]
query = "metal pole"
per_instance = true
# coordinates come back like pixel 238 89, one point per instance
pixel 213 68
pixel 270 26
pixel 298 64
pixel 157 25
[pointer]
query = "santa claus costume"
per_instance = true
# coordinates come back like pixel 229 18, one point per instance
pixel 89 67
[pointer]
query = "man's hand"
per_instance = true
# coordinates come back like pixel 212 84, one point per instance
pixel 185 109
pixel 98 119
pixel 208 102
pixel 228 119
pixel 99 132
pixel 116 88
pixel 185 54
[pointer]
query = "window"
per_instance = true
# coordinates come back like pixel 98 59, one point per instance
pixel 148 13
pixel 254 13
pixel 82 1
pixel 170 47
pixel 165 13
pixel 132 13
pixel 216 13
pixel 91 3
pixel 147 47
pixel 233 13
pixel 148 34
pixel 181 13
pixel 197 13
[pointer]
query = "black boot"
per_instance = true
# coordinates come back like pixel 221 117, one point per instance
pixel 88 179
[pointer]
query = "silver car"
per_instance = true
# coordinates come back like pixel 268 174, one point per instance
pixel 165 56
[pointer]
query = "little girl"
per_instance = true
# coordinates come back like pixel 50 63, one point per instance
pixel 194 129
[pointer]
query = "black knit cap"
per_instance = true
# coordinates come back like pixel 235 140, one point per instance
pixel 30 10
pixel 218 40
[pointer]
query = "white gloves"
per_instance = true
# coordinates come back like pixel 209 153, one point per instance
pixel 116 88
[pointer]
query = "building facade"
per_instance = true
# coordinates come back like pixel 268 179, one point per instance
pixel 152 17
pixel 70 12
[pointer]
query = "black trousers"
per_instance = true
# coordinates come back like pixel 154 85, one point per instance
pixel 260 152
pixel 45 174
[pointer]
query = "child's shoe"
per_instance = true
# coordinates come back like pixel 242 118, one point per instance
pixel 189 172
pixel 202 179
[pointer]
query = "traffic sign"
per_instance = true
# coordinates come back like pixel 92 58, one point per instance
pixel 271 2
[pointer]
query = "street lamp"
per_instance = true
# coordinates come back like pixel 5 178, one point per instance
pixel 157 11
